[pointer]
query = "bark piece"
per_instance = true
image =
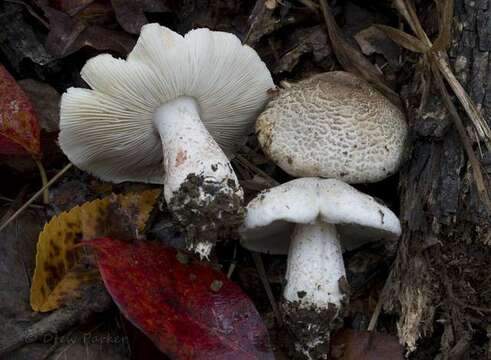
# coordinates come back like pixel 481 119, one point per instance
pixel 442 265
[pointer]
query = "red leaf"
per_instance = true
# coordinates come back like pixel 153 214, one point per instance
pixel 188 309
pixel 19 129
pixel 349 344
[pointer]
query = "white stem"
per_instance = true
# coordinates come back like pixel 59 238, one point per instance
pixel 200 186
pixel 188 147
pixel 315 266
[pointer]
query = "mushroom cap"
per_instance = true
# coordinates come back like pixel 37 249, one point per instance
pixel 108 131
pixel 272 215
pixel 333 125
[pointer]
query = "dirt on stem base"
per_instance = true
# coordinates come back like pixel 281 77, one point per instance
pixel 207 211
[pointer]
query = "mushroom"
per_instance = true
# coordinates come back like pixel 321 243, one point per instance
pixel 172 113
pixel 309 219
pixel 333 125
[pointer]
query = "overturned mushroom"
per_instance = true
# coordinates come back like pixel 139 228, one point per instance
pixel 170 114
pixel 310 219
pixel 333 125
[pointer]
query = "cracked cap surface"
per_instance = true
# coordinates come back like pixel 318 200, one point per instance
pixel 333 125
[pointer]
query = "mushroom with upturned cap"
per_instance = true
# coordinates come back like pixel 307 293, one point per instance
pixel 309 219
pixel 164 115
pixel 333 125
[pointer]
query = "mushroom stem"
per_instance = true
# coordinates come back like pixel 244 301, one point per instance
pixel 200 186
pixel 313 295
pixel 315 266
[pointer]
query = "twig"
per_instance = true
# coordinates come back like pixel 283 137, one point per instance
pixel 14 204
pixel 35 196
pixel 44 180
pixel 436 59
pixel 58 321
pixel 474 115
pixel 7 199
pixel 231 269
pixel 264 279
pixel 376 313
pixel 310 4
pixel 233 264
pixel 407 10
pixel 378 308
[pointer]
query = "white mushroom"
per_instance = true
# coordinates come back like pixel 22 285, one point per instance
pixel 310 218
pixel 333 125
pixel 170 114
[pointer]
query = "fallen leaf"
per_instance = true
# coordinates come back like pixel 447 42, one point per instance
pixel 445 9
pixel 349 344
pixel 261 23
pixel 62 266
pixel 89 11
pixel 98 13
pixel 353 60
pixel 19 128
pixel 17 249
pixel 188 309
pixel 131 14
pixel 303 41
pixel 67 35
pixel 71 7
pixel 404 39
pixel 46 102
pixel 19 45
pixel 374 41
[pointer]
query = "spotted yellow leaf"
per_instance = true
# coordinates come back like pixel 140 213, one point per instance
pixel 63 267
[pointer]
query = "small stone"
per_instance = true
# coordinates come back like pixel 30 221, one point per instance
pixel 216 285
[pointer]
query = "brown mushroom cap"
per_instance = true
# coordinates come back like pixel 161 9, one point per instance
pixel 333 125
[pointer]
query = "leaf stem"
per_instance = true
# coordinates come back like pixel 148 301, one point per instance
pixel 44 180
pixel 264 279
pixel 35 196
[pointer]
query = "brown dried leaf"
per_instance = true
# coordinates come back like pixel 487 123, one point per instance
pixel 71 7
pixel 404 39
pixel 67 35
pixel 445 10
pixel 46 102
pixel 438 58
pixel 374 41
pixel 353 60
pixel 131 14
pixel 349 344
pixel 303 41
pixel 261 22
pixel 19 44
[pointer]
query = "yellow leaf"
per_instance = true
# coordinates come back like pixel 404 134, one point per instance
pixel 62 267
